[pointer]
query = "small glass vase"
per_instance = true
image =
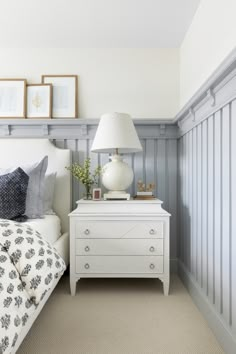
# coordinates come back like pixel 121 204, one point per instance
pixel 88 193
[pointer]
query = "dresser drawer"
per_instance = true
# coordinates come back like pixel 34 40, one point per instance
pixel 118 247
pixel 119 264
pixel 119 229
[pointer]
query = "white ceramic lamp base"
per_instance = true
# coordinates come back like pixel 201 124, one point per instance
pixel 117 176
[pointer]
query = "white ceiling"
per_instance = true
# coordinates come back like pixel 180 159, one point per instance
pixel 95 23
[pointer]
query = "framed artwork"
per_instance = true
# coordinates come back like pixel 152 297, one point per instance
pixel 97 193
pixel 65 95
pixel 39 101
pixel 12 98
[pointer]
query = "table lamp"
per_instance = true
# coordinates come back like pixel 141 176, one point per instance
pixel 116 135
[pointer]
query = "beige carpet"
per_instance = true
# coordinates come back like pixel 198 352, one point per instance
pixel 120 316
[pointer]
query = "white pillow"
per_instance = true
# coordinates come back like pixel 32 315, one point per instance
pixel 49 186
pixel 35 191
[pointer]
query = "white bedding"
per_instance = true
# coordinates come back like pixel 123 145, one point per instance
pixel 49 227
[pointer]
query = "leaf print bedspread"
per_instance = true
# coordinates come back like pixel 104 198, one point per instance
pixel 29 266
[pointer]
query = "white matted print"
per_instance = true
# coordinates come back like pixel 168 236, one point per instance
pixel 12 98
pixel 39 101
pixel 65 92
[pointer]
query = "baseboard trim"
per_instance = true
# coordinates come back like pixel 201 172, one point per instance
pixel 222 333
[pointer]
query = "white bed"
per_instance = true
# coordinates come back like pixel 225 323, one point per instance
pixel 17 152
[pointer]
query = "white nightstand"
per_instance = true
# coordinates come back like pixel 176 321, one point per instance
pixel 119 239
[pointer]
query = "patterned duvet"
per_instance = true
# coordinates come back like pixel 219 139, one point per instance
pixel 29 266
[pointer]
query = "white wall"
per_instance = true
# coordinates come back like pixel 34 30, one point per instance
pixel 142 82
pixel 210 38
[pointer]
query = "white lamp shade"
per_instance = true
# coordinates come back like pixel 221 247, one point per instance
pixel 116 131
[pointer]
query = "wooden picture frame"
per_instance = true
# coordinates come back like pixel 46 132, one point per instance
pixel 65 95
pixel 39 101
pixel 12 98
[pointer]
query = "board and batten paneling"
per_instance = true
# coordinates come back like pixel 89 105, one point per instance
pixel 156 163
pixel 207 205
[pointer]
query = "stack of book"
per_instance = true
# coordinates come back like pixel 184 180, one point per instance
pixel 144 196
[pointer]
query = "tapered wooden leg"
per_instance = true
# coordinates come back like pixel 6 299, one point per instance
pixel 73 286
pixel 166 285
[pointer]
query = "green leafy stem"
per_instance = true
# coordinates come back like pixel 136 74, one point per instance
pixel 83 173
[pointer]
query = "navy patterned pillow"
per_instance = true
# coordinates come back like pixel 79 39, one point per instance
pixel 13 189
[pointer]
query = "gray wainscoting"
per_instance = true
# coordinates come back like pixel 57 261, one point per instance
pixel 156 163
pixel 207 205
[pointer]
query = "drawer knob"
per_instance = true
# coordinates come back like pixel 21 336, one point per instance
pixel 152 232
pixel 87 232
pixel 87 249
pixel 86 266
pixel 152 266
pixel 151 249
